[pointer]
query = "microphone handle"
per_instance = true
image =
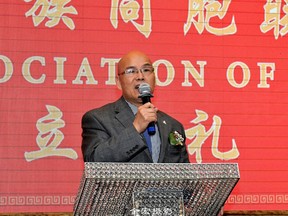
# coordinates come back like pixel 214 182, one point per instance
pixel 151 126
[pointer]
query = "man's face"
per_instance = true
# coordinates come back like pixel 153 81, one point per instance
pixel 129 83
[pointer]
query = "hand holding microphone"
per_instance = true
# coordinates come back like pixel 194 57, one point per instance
pixel 147 114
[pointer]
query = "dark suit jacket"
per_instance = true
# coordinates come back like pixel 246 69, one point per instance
pixel 109 136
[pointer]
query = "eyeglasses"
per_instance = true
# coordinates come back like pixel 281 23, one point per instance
pixel 145 70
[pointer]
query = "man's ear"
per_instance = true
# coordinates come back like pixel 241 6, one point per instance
pixel 118 83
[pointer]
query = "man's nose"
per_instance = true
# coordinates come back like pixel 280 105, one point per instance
pixel 140 75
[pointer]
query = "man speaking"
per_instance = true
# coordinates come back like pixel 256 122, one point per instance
pixel 132 129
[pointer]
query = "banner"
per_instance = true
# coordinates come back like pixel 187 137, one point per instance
pixel 221 70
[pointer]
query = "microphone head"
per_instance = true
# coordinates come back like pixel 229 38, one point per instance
pixel 144 90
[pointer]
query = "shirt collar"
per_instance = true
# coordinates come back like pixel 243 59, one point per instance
pixel 133 107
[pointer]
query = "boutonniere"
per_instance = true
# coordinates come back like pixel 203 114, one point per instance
pixel 176 138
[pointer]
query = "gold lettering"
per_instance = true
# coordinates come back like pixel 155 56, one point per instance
pixel 190 69
pixel 264 75
pixel 54 10
pixel 214 9
pixel 271 17
pixel 8 71
pixel 284 20
pixel 111 69
pixel 198 135
pixel 60 70
pixel 170 72
pixel 26 69
pixel 129 11
pixel 205 10
pixel 85 71
pixel 50 137
pixel 231 78
pixel 233 153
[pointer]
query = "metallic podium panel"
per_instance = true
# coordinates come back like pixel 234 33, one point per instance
pixel 154 189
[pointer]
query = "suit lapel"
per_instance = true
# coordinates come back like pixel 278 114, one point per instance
pixel 125 116
pixel 123 113
pixel 163 130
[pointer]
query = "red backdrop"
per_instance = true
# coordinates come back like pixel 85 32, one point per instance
pixel 220 67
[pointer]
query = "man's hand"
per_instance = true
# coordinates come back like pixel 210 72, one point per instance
pixel 146 113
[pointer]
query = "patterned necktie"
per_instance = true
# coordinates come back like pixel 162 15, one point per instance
pixel 148 140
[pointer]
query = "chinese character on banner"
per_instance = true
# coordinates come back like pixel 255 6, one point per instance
pixel 273 20
pixel 54 10
pixel 198 135
pixel 130 12
pixel 205 10
pixel 50 137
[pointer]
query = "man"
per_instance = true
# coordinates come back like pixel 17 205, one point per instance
pixel 115 132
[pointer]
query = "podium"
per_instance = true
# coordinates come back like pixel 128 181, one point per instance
pixel 154 189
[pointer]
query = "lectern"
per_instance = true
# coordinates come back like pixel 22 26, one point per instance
pixel 154 189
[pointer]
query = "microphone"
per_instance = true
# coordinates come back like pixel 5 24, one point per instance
pixel 145 94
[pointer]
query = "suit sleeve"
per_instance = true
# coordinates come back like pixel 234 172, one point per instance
pixel 105 141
